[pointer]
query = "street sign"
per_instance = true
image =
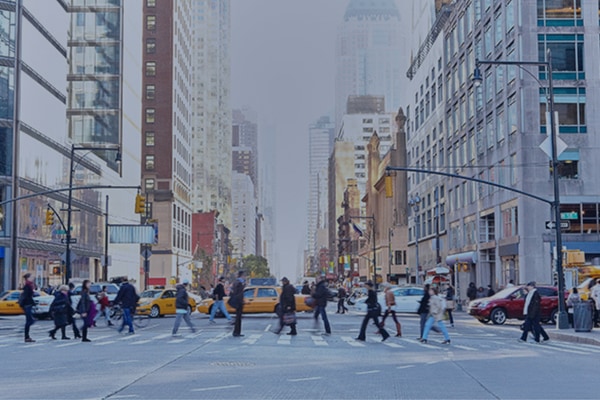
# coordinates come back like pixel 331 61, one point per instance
pixel 569 215
pixel 146 253
pixel 73 240
pixel 563 224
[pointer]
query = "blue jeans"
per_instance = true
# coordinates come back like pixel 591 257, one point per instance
pixel 127 320
pixel 28 320
pixel 219 305
pixel 321 310
pixel 441 325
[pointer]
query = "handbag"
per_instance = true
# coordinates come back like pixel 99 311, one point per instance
pixel 449 304
pixel 289 318
pixel 310 302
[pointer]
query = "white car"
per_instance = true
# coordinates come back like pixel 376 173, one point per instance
pixel 41 307
pixel 407 299
pixel 111 288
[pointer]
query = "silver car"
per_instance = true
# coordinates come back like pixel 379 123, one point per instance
pixel 407 299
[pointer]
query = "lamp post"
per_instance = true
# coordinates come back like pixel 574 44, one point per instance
pixel 68 238
pixel 477 79
pixel 414 203
pixel 374 260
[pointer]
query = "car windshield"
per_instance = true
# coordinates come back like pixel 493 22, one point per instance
pixel 504 293
pixel 151 294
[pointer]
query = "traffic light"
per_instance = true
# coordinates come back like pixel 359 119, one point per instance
pixel 49 217
pixel 140 204
pixel 389 186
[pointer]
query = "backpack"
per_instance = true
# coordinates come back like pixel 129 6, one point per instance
pixel 21 300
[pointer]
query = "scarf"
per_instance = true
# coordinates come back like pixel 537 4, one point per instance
pixel 528 300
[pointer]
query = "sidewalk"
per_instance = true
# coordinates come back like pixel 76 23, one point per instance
pixel 569 335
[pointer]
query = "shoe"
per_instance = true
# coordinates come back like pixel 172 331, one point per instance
pixel 292 333
pixel 545 340
pixel 276 332
pixel 359 339
pixel 86 340
pixel 522 341
pixel 78 336
pixel 326 334
pixel 385 338
pixel 110 323
pixel 423 340
pixel 398 335
pixel 29 340
pixel 51 334
pixel 176 335
pixel 131 333
pixel 65 338
pixel 446 341
pixel 238 334
pixel 212 322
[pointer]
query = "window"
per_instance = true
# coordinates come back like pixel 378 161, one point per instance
pixel 509 222
pixel 150 114
pixel 149 184
pixel 151 46
pixel 568 164
pixel 559 13
pixel 150 3
pixel 150 68
pixel 512 114
pixel 149 139
pixel 513 169
pixel 149 162
pixel 150 92
pixel 150 22
pixel 570 105
pixel 567 55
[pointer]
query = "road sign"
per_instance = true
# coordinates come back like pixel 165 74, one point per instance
pixel 146 253
pixel 73 240
pixel 569 215
pixel 563 224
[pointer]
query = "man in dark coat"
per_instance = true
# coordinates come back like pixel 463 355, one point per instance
pixel 236 300
pixel 287 302
pixel 127 298
pixel 532 313
pixel 60 310
pixel 305 288
pixel 320 296
pixel 26 302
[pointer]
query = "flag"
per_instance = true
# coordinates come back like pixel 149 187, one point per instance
pixel 357 229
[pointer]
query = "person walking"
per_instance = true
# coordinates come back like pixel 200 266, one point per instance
pixel 320 295
pixel 104 302
pixel 70 317
pixel 182 308
pixel 287 302
pixel 595 296
pixel 490 291
pixel 219 304
pixel 472 291
pixel 59 309
pixel 305 288
pixel 573 299
pixel 436 316
pixel 390 302
pixel 26 302
pixel 450 293
pixel 127 298
pixel 236 300
pixel 423 310
pixel 532 313
pixel 373 311
pixel 86 309
pixel 341 308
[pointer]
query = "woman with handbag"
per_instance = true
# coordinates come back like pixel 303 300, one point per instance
pixel 60 312
pixel 373 311
pixel 287 307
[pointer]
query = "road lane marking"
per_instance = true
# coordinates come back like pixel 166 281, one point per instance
pixel 252 339
pixel 123 362
pixel 394 345
pixel 458 346
pixel 319 341
pixel 313 378
pixel 405 366
pixel 352 342
pixel 142 342
pixel 287 339
pixel 68 344
pixel 375 371
pixel 216 388
pixel 104 343
pixel 176 341
pixel 163 336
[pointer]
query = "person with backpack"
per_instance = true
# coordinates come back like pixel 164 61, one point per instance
pixel 437 308
pixel 26 302
pixel 127 298
pixel 219 304
pixel 59 309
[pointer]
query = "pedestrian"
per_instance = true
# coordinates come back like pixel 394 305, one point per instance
pixel 436 316
pixel 573 299
pixel 341 308
pixel 71 319
pixel 595 296
pixel 236 301
pixel 472 291
pixel 511 283
pixel 532 314
pixel 104 303
pixel 59 310
pixel 305 288
pixel 86 309
pixel 450 293
pixel 390 302
pixel 423 310
pixel 287 303
pixel 373 312
pixel 26 302
pixel 127 298
pixel 182 307
pixel 490 291
pixel 320 295
pixel 219 304
pixel 481 293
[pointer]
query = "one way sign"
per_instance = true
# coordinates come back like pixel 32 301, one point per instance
pixel 564 224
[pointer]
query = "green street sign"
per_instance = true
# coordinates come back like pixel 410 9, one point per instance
pixel 569 215
pixel 61 232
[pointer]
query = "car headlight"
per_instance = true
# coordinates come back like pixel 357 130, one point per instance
pixel 144 303
pixel 483 304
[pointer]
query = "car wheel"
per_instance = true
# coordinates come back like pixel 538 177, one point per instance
pixel 154 312
pixel 498 316
pixel 553 317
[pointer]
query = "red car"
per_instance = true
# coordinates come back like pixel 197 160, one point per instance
pixel 509 303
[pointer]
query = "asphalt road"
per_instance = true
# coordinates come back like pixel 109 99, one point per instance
pixel 483 362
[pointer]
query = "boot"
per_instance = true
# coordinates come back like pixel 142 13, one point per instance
pixel 398 329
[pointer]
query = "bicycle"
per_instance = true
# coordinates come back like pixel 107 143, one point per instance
pixel 116 314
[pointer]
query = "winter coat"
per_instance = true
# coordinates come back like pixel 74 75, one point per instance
pixel 27 294
pixel 572 300
pixel 305 289
pixel 127 296
pixel 372 303
pixel 287 299
pixel 472 292
pixel 181 298
pixel 85 303
pixel 236 296
pixel 435 308
pixel 535 305
pixel 321 294
pixel 60 309
pixel 219 292
pixel 424 303
pixel 595 294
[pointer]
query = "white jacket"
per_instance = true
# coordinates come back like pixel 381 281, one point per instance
pixel 595 294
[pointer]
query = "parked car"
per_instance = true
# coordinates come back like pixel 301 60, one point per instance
pixel 160 302
pixel 407 299
pixel 508 304
pixel 9 301
pixel 257 299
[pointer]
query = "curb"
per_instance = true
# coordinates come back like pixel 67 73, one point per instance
pixel 574 339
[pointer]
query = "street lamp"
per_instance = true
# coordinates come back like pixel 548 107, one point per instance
pixel 414 203
pixel 69 239
pixel 477 80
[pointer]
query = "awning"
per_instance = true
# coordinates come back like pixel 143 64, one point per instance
pixel 586 247
pixel 468 257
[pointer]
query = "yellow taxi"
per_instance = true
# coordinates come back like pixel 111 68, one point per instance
pixel 9 302
pixel 257 299
pixel 160 302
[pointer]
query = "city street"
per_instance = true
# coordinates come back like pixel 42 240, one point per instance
pixel 483 362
